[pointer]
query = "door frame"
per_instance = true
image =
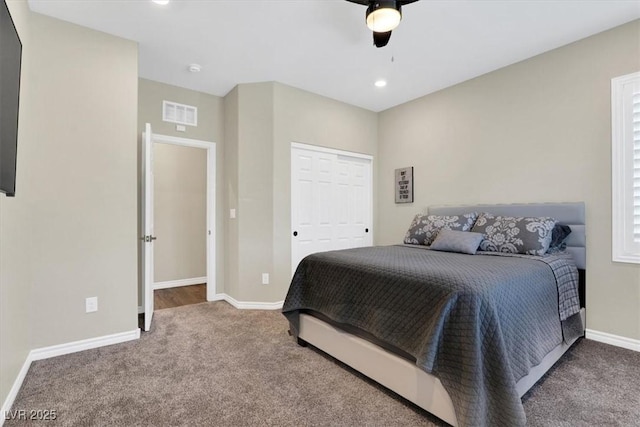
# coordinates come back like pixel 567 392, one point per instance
pixel 332 151
pixel 210 147
pixel 344 153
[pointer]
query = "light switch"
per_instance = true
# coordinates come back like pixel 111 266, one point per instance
pixel 232 213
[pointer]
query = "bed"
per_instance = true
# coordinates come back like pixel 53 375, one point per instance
pixel 466 346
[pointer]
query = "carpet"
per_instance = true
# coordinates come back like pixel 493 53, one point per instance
pixel 211 364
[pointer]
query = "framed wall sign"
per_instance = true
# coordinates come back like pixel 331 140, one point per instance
pixel 404 185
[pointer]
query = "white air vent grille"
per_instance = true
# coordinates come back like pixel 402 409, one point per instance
pixel 179 113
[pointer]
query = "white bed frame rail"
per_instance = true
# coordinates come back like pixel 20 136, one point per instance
pixel 400 375
pixel 382 366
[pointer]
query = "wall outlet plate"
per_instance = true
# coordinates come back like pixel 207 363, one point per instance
pixel 91 304
pixel 265 278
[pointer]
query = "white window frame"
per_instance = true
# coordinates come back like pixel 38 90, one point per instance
pixel 624 248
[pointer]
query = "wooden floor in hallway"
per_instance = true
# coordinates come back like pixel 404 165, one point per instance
pixel 182 295
pixel 176 297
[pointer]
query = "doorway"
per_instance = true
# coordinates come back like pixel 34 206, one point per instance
pixel 152 141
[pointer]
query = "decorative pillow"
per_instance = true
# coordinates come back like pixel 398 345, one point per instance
pixel 559 234
pixel 518 235
pixel 425 228
pixel 465 242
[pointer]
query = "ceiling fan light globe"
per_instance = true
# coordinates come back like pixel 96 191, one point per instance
pixel 383 19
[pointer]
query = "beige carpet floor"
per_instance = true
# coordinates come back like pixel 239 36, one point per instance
pixel 210 364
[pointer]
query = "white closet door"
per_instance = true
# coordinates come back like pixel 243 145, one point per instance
pixel 352 203
pixel 330 202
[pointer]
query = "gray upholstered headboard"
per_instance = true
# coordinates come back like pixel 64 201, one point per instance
pixel 571 214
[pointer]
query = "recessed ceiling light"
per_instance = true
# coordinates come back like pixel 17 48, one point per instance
pixel 162 2
pixel 194 68
pixel 380 83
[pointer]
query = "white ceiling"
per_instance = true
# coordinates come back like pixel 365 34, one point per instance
pixel 324 46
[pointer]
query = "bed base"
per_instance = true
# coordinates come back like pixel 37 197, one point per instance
pixel 398 374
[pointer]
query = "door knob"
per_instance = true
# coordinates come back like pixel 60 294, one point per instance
pixel 295 233
pixel 366 230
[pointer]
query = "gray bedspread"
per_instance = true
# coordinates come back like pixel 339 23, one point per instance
pixel 478 323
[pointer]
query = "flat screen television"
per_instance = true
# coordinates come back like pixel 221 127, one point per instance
pixel 10 63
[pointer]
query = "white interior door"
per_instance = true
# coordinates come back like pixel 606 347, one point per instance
pixel 148 238
pixel 331 201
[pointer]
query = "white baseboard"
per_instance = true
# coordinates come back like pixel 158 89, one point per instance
pixel 180 282
pixel 59 350
pixel 17 384
pixel 75 346
pixel 611 339
pixel 243 305
pixel 248 305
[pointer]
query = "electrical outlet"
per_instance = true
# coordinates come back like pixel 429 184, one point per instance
pixel 265 278
pixel 91 304
pixel 232 213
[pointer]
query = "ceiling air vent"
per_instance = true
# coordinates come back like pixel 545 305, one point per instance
pixel 179 113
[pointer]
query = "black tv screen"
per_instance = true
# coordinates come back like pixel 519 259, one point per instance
pixel 10 62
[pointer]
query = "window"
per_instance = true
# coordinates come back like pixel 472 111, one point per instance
pixel 625 126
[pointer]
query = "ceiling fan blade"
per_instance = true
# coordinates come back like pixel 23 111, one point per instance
pixel 403 2
pixel 364 2
pixel 381 39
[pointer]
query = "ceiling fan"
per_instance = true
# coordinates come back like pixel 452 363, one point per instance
pixel 383 16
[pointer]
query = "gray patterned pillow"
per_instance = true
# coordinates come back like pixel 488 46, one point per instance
pixel 518 235
pixel 424 228
pixel 465 242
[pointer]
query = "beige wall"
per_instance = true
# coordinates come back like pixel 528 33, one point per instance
pixel 84 174
pixel 210 111
pixel 255 190
pixel 70 232
pixel 180 206
pixel 210 128
pixel 263 120
pixel 250 191
pixel 230 184
pixel 16 236
pixel 304 117
pixel 536 131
